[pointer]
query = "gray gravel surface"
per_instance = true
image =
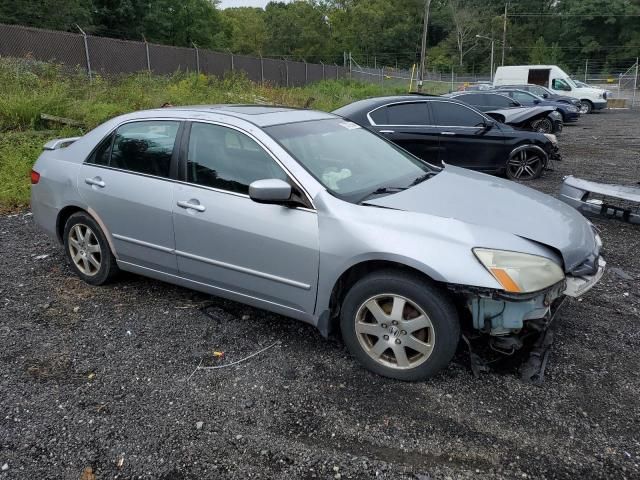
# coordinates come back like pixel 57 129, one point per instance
pixel 101 378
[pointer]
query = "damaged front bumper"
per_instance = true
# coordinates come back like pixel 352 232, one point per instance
pixel 499 314
pixel 597 199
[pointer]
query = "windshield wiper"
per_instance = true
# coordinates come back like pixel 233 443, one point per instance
pixel 382 191
pixel 422 178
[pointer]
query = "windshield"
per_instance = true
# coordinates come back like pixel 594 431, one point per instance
pixel 570 82
pixel 348 160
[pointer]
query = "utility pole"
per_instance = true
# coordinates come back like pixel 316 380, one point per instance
pixel 504 32
pixel 492 50
pixel 423 51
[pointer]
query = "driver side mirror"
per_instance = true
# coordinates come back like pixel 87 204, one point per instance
pixel 536 101
pixel 545 95
pixel 271 190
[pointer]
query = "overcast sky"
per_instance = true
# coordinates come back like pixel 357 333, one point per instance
pixel 245 3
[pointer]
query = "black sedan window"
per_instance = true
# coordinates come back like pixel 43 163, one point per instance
pixel 499 101
pixel 451 114
pixel 414 113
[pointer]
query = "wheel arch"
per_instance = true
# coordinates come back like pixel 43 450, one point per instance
pixel 65 213
pixel 330 311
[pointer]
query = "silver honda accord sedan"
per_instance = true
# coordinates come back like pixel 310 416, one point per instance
pixel 308 215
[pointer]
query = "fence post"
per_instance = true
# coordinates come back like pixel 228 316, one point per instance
pixel 86 52
pixel 232 66
pixel 146 49
pixel 337 71
pixel 261 70
pixel 635 85
pixel 286 69
pixel 586 66
pixel 197 57
pixel 452 78
pixel 323 75
pixel 306 73
pixel 382 76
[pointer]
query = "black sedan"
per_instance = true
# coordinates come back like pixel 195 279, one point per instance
pixel 439 129
pixel 570 113
pixel 543 92
pixel 500 106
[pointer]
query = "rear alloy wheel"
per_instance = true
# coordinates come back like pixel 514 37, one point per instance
pixel 542 125
pixel 525 163
pixel 585 107
pixel 87 250
pixel 400 326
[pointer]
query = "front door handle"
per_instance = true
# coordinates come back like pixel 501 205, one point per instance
pixel 192 204
pixel 448 133
pixel 387 131
pixel 95 181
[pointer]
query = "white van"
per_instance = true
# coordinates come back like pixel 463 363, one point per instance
pixel 553 77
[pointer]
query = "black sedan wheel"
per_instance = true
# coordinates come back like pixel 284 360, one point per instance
pixel 526 163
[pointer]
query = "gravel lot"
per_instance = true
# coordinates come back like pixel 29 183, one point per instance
pixel 101 378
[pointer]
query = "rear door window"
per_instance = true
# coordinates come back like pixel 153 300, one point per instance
pixel 140 147
pixel 453 115
pixel 415 113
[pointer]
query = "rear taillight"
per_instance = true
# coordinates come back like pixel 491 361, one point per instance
pixel 35 177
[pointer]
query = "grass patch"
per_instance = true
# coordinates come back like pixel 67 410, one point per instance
pixel 28 89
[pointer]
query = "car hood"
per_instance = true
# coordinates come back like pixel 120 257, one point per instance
pixel 520 114
pixel 476 198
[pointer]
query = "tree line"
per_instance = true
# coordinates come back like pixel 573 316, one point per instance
pixel 381 32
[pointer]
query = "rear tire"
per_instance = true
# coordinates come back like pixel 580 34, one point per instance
pixel 399 325
pixel 526 163
pixel 88 251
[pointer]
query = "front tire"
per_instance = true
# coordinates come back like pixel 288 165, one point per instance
pixel 526 163
pixel 88 251
pixel 399 325
pixel 586 107
pixel 542 125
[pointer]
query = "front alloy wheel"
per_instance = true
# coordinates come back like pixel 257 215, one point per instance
pixel 585 107
pixel 394 331
pixel 525 164
pixel 542 125
pixel 399 324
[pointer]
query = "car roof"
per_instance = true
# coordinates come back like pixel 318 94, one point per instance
pixel 259 115
pixel 369 104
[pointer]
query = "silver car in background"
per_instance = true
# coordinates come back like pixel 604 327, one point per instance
pixel 308 215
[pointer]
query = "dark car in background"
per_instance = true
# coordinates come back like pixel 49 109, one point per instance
pixel 570 113
pixel 501 107
pixel 543 92
pixel 439 129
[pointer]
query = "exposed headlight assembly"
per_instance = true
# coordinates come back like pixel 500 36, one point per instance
pixel 520 272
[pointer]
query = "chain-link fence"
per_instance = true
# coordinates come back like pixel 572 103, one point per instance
pixel 110 56
pixel 621 82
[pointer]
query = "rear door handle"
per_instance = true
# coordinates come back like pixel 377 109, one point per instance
pixel 387 131
pixel 448 133
pixel 95 181
pixel 191 204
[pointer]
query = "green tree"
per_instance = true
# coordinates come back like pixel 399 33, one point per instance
pixel 51 14
pixel 183 22
pixel 247 32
